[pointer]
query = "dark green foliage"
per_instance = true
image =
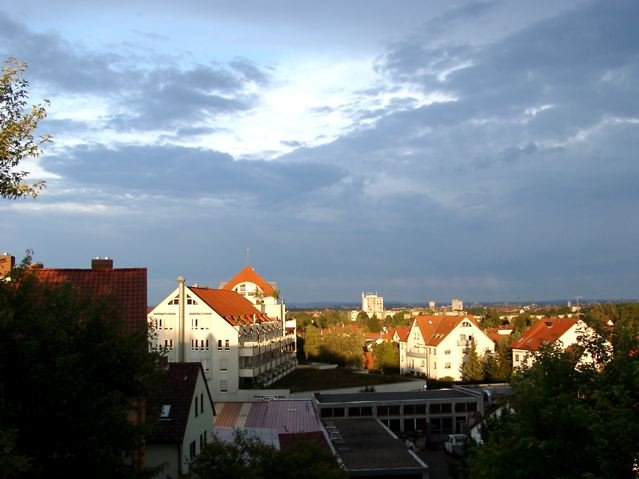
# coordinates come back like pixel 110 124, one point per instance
pixel 491 319
pixel 68 376
pixel 473 366
pixel 250 458
pixel 373 325
pixel 571 419
pixel 499 364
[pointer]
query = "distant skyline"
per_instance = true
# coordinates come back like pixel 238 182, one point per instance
pixel 482 150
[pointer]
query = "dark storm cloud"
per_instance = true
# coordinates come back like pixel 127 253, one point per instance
pixel 528 170
pixel 171 170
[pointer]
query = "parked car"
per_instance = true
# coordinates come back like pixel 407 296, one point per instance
pixel 456 444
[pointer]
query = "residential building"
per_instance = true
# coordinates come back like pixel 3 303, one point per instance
pixel 457 305
pixel 264 295
pixel 181 415
pixel 237 344
pixel 124 288
pixel 437 346
pixel 373 305
pixel 562 331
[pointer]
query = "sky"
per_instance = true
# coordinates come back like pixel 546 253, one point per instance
pixel 422 150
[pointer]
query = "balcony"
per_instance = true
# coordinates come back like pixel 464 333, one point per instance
pixel 464 342
pixel 416 353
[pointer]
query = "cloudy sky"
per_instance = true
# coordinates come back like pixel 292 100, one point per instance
pixel 423 149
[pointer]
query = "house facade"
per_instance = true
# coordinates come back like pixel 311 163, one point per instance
pixel 561 331
pixel 237 344
pixel 182 419
pixel 437 346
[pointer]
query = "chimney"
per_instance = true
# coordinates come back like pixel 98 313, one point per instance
pixel 102 263
pixel 7 263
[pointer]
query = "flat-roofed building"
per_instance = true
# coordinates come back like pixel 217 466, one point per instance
pixel 367 449
pixel 433 413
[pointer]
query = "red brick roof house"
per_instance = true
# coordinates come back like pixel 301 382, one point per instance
pixel 562 331
pixel 182 414
pixel 125 288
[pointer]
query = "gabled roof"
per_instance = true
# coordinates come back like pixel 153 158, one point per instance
pixel 435 328
pixel 232 306
pixel 248 275
pixel 545 331
pixel 125 287
pixel 402 333
pixel 176 388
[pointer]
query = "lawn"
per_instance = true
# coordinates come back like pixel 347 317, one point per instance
pixel 316 380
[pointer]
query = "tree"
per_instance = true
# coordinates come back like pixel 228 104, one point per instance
pixel 491 319
pixel 473 367
pixel 17 128
pixel 250 458
pixel 499 364
pixel 69 376
pixel 570 418
pixel 312 341
pixel 343 349
pixel 386 357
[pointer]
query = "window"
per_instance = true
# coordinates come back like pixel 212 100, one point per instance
pixel 196 408
pixel 227 345
pixel 224 364
pixel 192 449
pixel 466 324
pixel 447 351
pixel 219 345
pixel 207 345
pixel 517 357
pixel 194 323
pixel 166 411
pixel 224 385
pixel 447 366
pixel 207 365
pixel 201 402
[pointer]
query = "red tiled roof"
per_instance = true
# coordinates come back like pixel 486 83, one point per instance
pixel 126 287
pixel 232 306
pixel 545 331
pixel 402 333
pixel 435 328
pixel 176 388
pixel 249 275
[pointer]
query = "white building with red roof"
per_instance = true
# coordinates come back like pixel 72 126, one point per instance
pixel 561 331
pixel 437 346
pixel 237 344
pixel 263 294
